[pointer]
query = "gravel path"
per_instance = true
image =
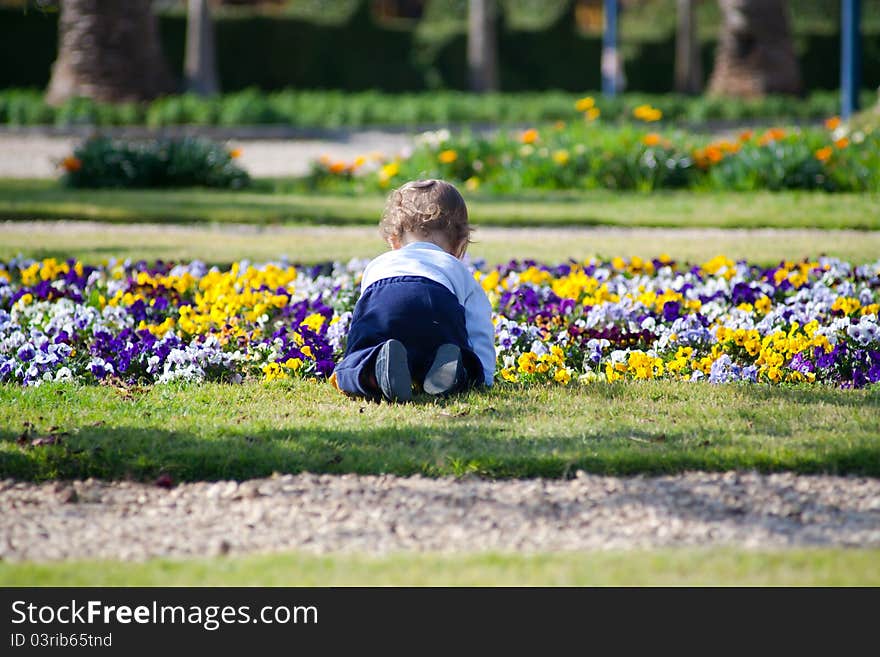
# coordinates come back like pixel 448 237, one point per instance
pixel 37 156
pixel 383 514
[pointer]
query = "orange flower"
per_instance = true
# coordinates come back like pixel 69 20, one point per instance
pixel 700 159
pixel 824 154
pixel 71 163
pixel 592 114
pixel 714 154
pixel 338 167
pixel 746 135
pixel 841 143
pixel 773 134
pixel 530 136
pixel 448 156
pixel 833 123
pixel 651 139
pixel 559 125
pixel 234 153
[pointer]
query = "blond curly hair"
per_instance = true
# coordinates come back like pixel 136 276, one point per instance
pixel 423 207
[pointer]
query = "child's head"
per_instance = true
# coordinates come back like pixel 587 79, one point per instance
pixel 430 210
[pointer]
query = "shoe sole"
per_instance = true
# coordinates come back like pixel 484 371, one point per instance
pixel 444 372
pixel 392 372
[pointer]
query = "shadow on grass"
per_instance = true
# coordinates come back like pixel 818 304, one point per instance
pixel 453 450
pixel 212 431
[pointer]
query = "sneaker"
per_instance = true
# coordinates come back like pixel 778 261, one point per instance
pixel 447 371
pixel 392 372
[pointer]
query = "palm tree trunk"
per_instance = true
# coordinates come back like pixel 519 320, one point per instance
pixel 755 53
pixel 200 65
pixel 109 51
pixel 482 46
pixel 688 66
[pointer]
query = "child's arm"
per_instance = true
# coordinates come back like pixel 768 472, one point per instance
pixel 481 332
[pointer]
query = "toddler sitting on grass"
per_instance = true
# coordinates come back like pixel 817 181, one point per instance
pixel 422 319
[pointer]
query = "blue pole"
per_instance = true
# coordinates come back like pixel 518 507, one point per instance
pixel 850 56
pixel 610 55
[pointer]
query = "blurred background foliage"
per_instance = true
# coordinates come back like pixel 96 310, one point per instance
pixel 412 45
pixel 639 18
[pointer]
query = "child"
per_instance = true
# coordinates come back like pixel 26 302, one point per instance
pixel 422 317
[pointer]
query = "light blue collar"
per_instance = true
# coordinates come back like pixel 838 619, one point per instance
pixel 424 245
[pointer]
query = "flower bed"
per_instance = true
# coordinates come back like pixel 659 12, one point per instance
pixel 576 322
pixel 586 154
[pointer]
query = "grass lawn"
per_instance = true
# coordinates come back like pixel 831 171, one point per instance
pixel 93 242
pixel 659 427
pixel 621 429
pixel 825 567
pixel 269 203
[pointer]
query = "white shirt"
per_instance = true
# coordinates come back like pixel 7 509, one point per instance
pixel 429 260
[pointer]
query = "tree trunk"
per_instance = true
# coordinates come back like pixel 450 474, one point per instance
pixel 109 51
pixel 200 65
pixel 755 53
pixel 482 46
pixel 688 66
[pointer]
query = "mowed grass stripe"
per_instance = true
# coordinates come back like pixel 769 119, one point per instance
pixel 95 242
pixel 684 567
pixel 271 202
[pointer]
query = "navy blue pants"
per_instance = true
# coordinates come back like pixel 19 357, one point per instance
pixel 421 313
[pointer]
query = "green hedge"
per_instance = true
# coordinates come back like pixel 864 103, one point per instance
pixel 162 163
pixel 334 109
pixel 275 52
